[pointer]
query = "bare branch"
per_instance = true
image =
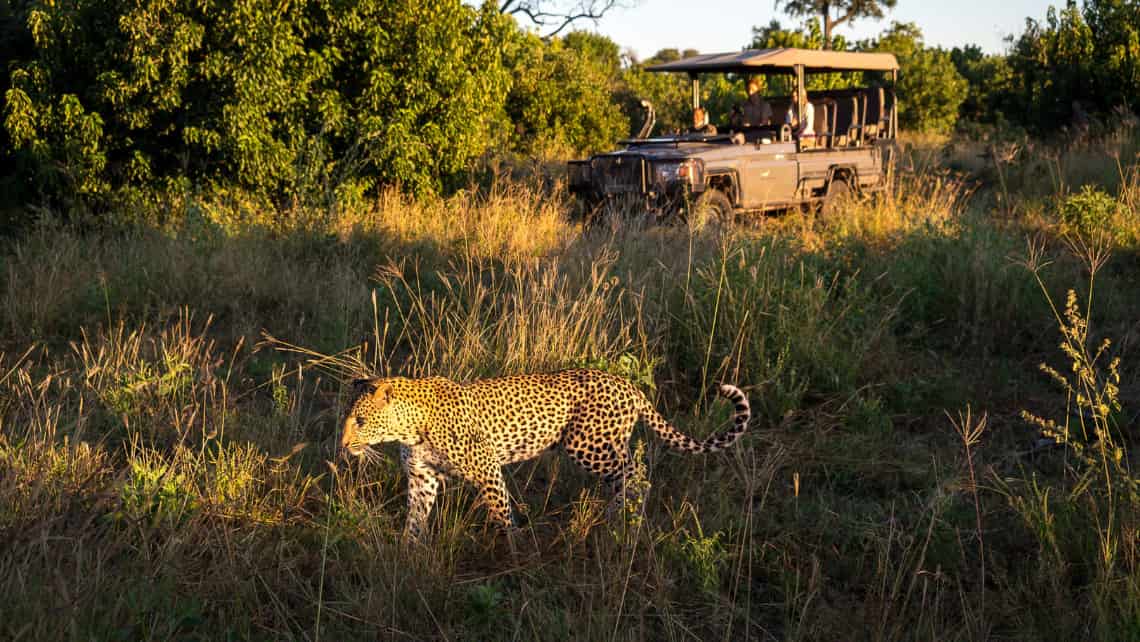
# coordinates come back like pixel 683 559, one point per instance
pixel 557 15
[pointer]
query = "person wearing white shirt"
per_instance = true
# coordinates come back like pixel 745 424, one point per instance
pixel 805 127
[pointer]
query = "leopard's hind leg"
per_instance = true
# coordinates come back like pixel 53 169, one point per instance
pixel 606 454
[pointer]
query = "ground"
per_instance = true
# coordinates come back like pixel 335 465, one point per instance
pixel 168 417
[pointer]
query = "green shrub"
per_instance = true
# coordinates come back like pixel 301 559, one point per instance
pixel 1088 212
pixel 155 492
pixel 561 100
pixel 930 88
pixel 308 100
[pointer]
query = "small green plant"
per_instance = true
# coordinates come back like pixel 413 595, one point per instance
pixel 484 606
pixel 281 402
pixel 155 493
pixel 1104 494
pixel 1093 395
pixel 705 556
pixel 868 415
pixel 145 381
pixel 1088 212
pixel 632 500
pixel 639 371
pixel 701 556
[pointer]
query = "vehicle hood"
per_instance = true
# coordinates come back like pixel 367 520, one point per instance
pixel 679 150
pixel 671 151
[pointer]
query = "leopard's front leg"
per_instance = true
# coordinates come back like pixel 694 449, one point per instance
pixel 423 487
pixel 468 454
pixel 493 492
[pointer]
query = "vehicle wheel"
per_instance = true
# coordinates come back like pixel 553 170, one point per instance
pixel 589 213
pixel 838 196
pixel 581 209
pixel 711 207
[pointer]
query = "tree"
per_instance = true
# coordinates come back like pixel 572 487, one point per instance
pixel 930 89
pixel 990 81
pixel 846 11
pixel 810 37
pixel 557 15
pixel 291 102
pixel 562 99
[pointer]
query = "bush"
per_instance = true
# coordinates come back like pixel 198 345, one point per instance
pixel 562 99
pixel 930 88
pixel 295 101
pixel 1088 212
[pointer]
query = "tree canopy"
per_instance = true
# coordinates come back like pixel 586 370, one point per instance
pixel 844 11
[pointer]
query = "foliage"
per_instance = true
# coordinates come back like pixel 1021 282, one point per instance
pixel 668 93
pixel 288 101
pixel 1089 211
pixel 671 94
pixel 156 494
pixel 1052 62
pixel 848 10
pixel 810 37
pixel 989 79
pixel 562 97
pixel 1080 62
pixel 930 89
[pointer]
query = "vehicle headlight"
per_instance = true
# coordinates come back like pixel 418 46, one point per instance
pixel 687 171
pixel 664 173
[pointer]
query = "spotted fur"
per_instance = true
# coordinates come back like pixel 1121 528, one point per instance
pixel 471 430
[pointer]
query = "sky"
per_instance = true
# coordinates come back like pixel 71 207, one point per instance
pixel 711 26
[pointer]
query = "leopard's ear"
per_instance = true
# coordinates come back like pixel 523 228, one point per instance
pixel 384 392
pixel 376 386
pixel 361 386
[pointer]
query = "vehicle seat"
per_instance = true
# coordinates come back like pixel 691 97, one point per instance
pixel 780 107
pixel 875 121
pixel 825 121
pixel 846 121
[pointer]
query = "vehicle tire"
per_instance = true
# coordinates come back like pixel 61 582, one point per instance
pixel 581 209
pixel 711 207
pixel 838 196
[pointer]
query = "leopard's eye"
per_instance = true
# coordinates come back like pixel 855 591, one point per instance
pixel 360 421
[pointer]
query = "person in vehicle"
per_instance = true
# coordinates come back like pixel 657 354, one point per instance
pixel 754 111
pixel 701 123
pixel 801 127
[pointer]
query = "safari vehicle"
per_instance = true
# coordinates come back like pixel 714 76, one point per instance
pixel 751 169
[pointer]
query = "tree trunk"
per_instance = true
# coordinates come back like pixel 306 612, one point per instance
pixel 827 25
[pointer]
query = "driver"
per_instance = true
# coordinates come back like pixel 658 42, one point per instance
pixel 754 111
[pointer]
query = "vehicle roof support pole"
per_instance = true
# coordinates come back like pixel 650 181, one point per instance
pixel 696 91
pixel 895 103
pixel 801 93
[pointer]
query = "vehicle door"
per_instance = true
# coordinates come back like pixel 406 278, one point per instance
pixel 768 175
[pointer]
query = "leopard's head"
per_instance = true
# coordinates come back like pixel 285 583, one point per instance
pixel 374 417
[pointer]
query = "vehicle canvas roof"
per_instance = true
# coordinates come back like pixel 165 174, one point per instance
pixel 781 61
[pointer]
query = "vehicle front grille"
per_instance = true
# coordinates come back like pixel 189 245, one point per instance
pixel 619 174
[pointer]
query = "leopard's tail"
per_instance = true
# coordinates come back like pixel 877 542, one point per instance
pixel 679 441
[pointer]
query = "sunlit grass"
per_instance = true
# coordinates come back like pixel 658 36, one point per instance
pixel 169 401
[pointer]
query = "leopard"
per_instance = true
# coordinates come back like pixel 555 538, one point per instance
pixel 471 430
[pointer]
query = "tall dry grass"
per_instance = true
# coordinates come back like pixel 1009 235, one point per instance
pixel 163 468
